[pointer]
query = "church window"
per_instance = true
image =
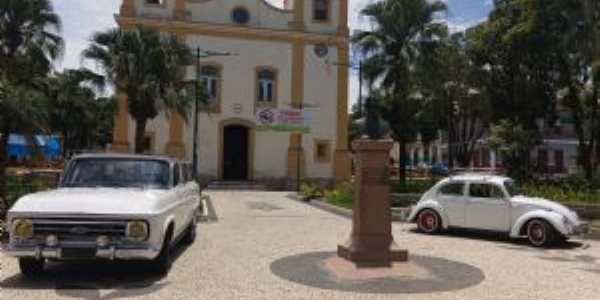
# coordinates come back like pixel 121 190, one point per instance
pixel 321 10
pixel 240 15
pixel 266 86
pixel 322 151
pixel 210 75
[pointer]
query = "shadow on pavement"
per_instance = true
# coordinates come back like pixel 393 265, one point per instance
pixel 440 275
pixel 502 238
pixel 86 279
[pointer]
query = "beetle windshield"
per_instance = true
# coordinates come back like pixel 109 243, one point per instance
pixel 112 172
pixel 512 188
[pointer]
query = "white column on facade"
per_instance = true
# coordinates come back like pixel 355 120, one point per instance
pixel 420 154
pixel 492 160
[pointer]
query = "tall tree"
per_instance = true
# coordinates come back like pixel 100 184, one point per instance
pixel 400 29
pixel 29 39
pixel 515 49
pixel 75 111
pixel 455 89
pixel 29 43
pixel 146 66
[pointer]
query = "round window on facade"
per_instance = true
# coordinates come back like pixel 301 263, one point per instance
pixel 240 15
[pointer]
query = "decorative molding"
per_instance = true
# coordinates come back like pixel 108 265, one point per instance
pixel 343 29
pixel 232 31
pixel 275 87
pixel 342 163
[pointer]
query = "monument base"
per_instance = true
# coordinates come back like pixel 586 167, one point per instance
pixel 371 242
pixel 372 256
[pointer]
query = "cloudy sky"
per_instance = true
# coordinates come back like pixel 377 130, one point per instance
pixel 83 17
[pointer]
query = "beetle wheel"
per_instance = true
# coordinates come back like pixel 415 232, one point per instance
pixel 428 221
pixel 540 233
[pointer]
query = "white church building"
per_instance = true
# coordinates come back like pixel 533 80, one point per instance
pixel 288 57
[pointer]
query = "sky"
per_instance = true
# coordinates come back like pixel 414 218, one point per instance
pixel 81 18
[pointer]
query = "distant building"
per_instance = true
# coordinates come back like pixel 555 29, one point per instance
pixel 555 156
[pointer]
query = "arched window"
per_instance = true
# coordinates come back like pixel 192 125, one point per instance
pixel 266 92
pixel 211 76
pixel 321 10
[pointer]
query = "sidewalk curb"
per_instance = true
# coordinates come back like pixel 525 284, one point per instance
pixel 398 214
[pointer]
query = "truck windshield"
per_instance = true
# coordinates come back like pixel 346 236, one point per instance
pixel 110 172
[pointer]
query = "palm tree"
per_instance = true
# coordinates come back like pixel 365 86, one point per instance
pixel 22 109
pixel 75 111
pixel 29 43
pixel 146 66
pixel 400 29
pixel 29 38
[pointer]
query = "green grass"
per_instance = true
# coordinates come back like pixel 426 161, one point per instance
pixel 342 195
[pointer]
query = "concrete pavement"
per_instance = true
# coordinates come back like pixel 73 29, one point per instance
pixel 262 245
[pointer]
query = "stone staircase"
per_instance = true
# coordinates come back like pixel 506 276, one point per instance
pixel 235 186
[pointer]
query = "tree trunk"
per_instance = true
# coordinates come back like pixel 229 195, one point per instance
pixel 65 145
pixel 3 162
pixel 140 132
pixel 402 162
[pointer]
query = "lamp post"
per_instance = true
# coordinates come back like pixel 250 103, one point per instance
pixel 200 53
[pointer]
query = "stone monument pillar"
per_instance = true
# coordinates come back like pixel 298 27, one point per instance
pixel 371 242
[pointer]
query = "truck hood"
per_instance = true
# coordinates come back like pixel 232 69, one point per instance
pixel 120 201
pixel 547 204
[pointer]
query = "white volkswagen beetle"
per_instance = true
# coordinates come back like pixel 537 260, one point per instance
pixel 492 203
pixel 107 206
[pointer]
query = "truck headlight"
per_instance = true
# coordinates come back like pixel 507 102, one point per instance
pixel 22 228
pixel 137 231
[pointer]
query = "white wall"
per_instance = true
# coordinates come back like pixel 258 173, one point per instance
pixel 239 75
pixel 320 90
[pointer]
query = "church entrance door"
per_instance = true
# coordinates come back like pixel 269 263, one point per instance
pixel 235 152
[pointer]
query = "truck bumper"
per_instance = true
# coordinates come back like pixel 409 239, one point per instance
pixel 110 253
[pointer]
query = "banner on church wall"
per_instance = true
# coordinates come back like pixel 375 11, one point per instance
pixel 283 119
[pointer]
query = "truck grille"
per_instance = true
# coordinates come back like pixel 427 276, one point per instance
pixel 68 228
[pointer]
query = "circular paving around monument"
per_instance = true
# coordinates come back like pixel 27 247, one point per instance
pixel 421 274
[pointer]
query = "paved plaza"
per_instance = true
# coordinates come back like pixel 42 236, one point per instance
pixel 264 245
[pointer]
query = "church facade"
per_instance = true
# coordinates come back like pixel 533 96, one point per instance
pixel 293 57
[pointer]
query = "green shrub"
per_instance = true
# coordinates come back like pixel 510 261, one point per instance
pixel 311 191
pixel 412 186
pixel 19 186
pixel 342 195
pixel 572 189
pixel 561 192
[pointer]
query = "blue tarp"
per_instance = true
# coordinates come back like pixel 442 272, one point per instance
pixel 19 148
